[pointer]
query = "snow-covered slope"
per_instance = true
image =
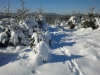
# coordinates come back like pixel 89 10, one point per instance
pixel 72 53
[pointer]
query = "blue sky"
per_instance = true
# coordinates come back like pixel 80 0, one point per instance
pixel 55 6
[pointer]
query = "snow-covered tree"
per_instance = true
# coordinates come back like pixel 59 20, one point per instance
pixel 71 25
pixel 39 44
pixel 43 51
pixel 72 22
pixel 21 13
pixel 90 20
pixel 18 38
pixel 14 38
pixel 47 38
pixel 7 11
pixel 41 38
pixel 4 39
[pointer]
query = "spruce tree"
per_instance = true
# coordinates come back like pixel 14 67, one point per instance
pixel 7 11
pixel 21 13
pixel 90 19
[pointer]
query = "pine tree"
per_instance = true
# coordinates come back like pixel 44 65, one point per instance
pixel 90 20
pixel 8 11
pixel 21 13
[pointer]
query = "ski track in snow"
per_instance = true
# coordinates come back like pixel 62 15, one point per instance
pixel 26 60
pixel 73 66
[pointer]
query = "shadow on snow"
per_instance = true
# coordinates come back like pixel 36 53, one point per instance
pixel 57 43
pixel 63 58
pixel 6 58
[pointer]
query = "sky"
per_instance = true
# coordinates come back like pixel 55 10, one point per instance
pixel 54 6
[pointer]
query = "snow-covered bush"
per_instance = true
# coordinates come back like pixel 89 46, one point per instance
pixel 28 26
pixel 38 36
pixel 60 24
pixel 3 23
pixel 4 39
pixel 14 38
pixel 42 24
pixel 23 40
pixel 88 24
pixel 90 20
pixel 71 25
pixel 34 39
pixel 47 38
pixel 73 21
pixel 19 30
pixel 41 38
pixel 15 35
pixel 18 38
pixel 41 34
pixel 45 26
pixel 97 21
pixel 42 50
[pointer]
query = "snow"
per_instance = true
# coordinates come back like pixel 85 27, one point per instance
pixel 45 26
pixel 47 37
pixel 72 53
pixel 24 39
pixel 14 38
pixel 73 19
pixel 97 21
pixel 28 23
pixel 3 37
pixel 42 50
pixel 30 31
pixel 35 36
pixel 16 35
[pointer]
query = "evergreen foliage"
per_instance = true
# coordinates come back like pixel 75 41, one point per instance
pixel 21 13
pixel 71 25
pixel 90 20
pixel 8 11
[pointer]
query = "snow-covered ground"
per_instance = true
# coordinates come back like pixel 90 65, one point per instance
pixel 72 53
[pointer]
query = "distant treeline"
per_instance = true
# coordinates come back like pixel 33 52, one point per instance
pixel 50 17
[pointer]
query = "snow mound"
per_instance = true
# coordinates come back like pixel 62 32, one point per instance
pixel 43 51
